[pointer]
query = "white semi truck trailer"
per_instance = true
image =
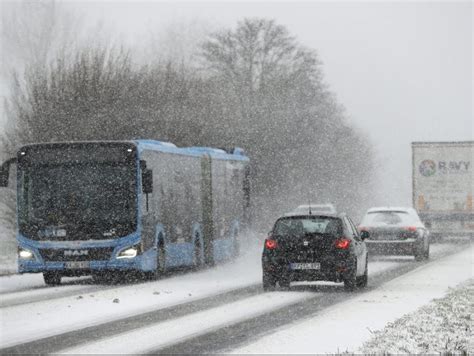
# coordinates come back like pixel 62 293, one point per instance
pixel 443 186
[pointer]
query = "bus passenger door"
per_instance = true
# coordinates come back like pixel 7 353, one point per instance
pixel 147 205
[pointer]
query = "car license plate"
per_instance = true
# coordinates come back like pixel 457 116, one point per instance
pixel 76 265
pixel 314 265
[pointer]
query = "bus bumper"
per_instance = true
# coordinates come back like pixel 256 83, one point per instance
pixel 37 257
pixel 144 262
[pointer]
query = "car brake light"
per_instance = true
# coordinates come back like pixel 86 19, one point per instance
pixel 270 244
pixel 342 244
pixel 411 228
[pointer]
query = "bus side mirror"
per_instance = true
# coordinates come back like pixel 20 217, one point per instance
pixel 4 175
pixel 147 181
pixel 5 171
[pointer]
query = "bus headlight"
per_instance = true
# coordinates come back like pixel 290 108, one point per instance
pixel 25 254
pixel 128 252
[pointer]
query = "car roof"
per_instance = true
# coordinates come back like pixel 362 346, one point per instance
pixel 307 215
pixel 311 204
pixel 391 208
pixel 327 207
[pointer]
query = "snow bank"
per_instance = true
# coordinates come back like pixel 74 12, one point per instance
pixel 444 326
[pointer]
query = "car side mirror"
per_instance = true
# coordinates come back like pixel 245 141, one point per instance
pixel 147 181
pixel 364 235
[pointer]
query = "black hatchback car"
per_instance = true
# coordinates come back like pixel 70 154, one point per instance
pixel 322 247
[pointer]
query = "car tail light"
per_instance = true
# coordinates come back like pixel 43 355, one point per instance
pixel 271 244
pixel 342 244
pixel 411 228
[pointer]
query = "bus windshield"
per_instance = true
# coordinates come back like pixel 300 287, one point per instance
pixel 86 200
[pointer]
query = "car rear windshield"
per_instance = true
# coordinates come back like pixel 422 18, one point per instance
pixel 322 208
pixel 389 218
pixel 299 226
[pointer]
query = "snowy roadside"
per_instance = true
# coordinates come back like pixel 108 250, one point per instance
pixel 441 327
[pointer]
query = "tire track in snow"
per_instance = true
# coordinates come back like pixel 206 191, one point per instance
pixel 38 293
pixel 168 332
pixel 26 297
pixel 70 339
pixel 238 334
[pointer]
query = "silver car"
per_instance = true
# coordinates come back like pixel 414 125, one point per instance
pixel 395 231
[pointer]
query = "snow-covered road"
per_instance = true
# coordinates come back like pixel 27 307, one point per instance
pixel 224 295
pixel 344 327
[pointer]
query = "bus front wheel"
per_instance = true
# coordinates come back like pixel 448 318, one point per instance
pixel 51 278
pixel 197 254
pixel 161 262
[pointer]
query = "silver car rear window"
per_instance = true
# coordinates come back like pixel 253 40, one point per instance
pixel 388 218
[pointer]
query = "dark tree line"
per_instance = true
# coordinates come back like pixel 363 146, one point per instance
pixel 256 88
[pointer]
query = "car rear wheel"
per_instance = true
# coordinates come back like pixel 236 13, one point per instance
pixel 284 282
pixel 269 282
pixel 350 280
pixel 427 252
pixel 419 254
pixel 362 280
pixel 51 278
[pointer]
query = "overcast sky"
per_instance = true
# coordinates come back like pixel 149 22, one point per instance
pixel 403 70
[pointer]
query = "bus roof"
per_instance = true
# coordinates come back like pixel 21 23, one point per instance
pixel 162 146
pixel 216 153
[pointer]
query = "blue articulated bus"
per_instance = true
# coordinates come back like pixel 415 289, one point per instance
pixel 98 208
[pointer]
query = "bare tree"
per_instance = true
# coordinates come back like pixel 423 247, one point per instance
pixel 258 52
pixel 276 104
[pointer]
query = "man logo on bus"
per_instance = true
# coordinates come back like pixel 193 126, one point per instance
pixel 427 168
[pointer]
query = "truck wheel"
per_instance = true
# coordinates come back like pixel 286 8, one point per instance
pixel 52 278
